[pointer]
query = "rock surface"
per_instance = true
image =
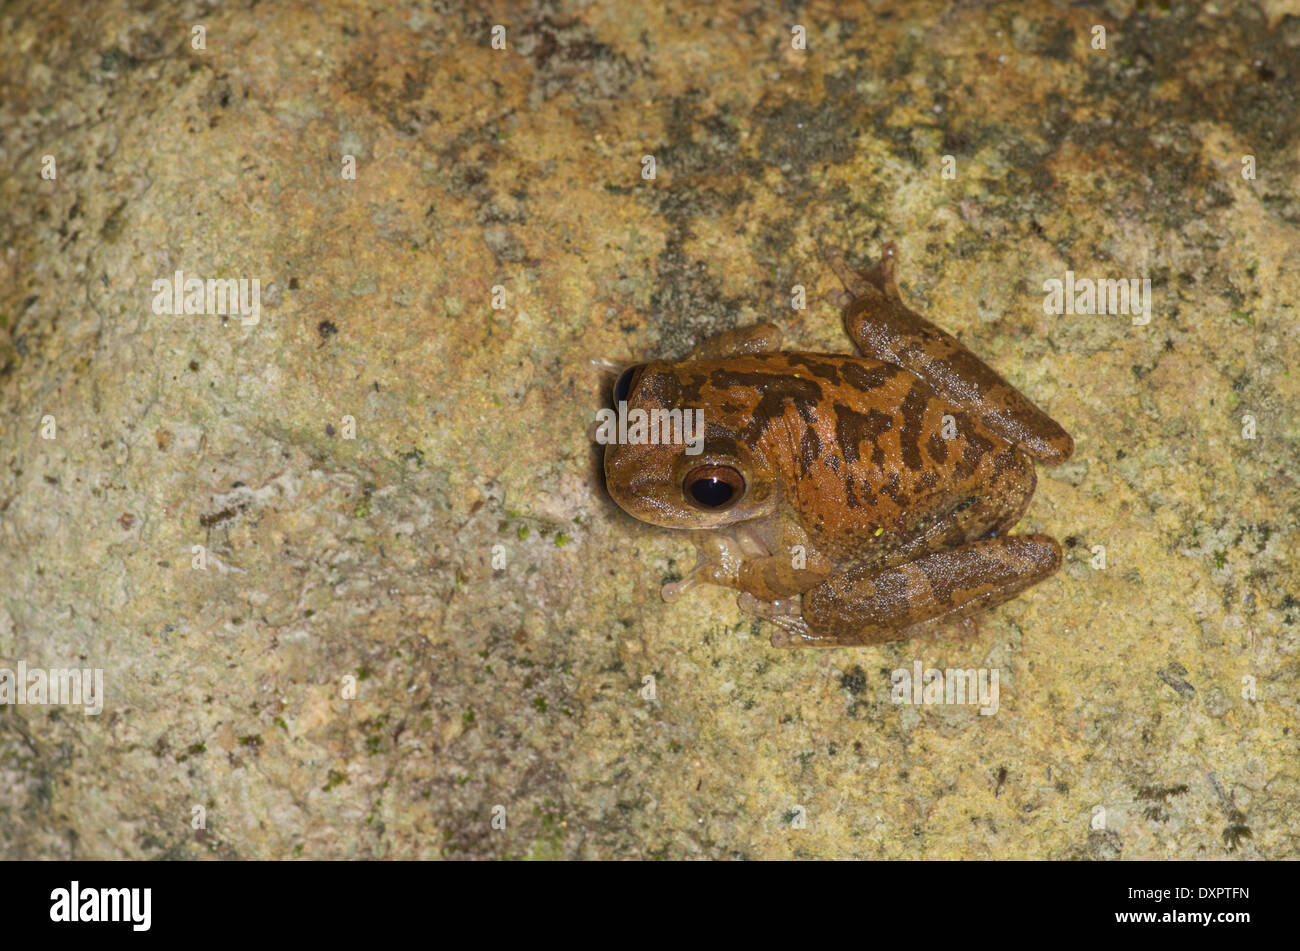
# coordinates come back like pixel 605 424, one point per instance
pixel 1148 709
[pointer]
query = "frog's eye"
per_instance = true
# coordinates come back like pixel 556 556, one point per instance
pixel 714 487
pixel 623 388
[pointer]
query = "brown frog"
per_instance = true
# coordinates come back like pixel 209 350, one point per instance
pixel 852 499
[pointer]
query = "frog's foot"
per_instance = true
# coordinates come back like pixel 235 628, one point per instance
pixel 771 610
pixel 786 614
pixel 881 276
pixel 675 589
pixel 855 285
pixel 793 632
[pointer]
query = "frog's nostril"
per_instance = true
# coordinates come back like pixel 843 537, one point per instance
pixel 714 487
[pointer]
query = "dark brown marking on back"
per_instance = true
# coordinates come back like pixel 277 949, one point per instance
pixel 864 379
pixel 720 444
pixel 820 369
pixel 777 389
pixel 912 409
pixel 975 449
pixel 850 497
pixel 810 448
pixel 896 494
pixel 938 448
pixel 851 427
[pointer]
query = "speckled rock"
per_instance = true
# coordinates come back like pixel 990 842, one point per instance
pixel 351 676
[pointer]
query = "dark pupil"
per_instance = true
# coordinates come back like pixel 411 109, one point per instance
pixel 624 385
pixel 711 492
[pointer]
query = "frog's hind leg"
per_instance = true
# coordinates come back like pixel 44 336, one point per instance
pixel 857 608
pixel 885 328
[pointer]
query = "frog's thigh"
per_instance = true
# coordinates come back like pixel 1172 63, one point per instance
pixel 854 608
pixel 758 338
pixel 885 328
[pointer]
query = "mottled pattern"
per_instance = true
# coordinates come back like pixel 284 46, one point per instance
pixel 839 475
pixel 1159 688
pixel 842 432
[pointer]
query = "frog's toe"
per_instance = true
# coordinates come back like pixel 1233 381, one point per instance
pixel 792 631
pixel 853 282
pixel 771 610
pixel 675 589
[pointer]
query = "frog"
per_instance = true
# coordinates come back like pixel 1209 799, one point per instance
pixel 852 499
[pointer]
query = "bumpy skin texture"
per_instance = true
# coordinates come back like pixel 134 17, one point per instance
pixel 878 489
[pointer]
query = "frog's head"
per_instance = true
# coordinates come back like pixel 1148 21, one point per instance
pixel 679 461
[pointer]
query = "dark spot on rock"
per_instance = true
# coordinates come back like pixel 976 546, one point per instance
pixel 216 518
pixel 854 681
pixel 326 329
pixel 116 60
pixel 112 226
pixel 1161 793
pixel 1175 676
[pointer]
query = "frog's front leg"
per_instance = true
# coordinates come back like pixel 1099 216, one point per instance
pixel 738 558
pixel 757 338
pixel 865 605
pixel 721 560
pixel 885 328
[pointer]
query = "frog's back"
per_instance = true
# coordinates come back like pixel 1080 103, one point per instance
pixel 851 434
